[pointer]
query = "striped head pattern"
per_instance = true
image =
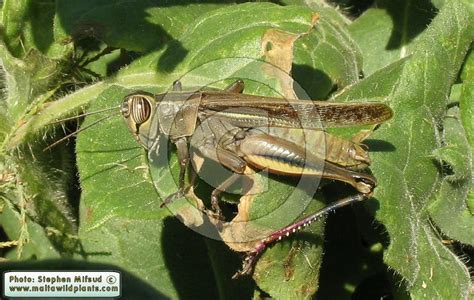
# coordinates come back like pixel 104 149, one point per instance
pixel 137 110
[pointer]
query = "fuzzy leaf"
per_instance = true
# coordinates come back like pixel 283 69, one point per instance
pixel 36 188
pixel 386 31
pixel 31 25
pixel 408 176
pixel 452 198
pixel 37 246
pixel 113 23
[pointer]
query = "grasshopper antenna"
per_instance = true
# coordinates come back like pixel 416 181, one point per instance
pixel 77 131
pixel 84 114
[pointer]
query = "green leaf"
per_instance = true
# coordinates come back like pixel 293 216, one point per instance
pixel 332 11
pixel 466 98
pixel 36 194
pixel 49 113
pixel 31 52
pixel 35 187
pixel 38 245
pixel 438 3
pixel 25 80
pixel 118 22
pixel 408 176
pixel 456 198
pixel 451 203
pixel 386 32
pixel 353 259
pixel 466 109
pixel 31 25
pixel 340 67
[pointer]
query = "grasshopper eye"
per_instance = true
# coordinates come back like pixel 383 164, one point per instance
pixel 138 107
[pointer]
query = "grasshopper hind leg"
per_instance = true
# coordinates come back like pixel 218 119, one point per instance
pixel 248 263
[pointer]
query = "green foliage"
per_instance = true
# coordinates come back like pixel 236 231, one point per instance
pixel 93 53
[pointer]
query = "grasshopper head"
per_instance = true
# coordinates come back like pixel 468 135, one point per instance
pixel 138 110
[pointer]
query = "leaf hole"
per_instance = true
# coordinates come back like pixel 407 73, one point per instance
pixel 268 47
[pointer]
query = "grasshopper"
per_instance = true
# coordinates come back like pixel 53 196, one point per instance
pixel 226 127
pixel 231 139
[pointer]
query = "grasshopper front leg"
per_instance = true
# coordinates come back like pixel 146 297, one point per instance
pixel 183 159
pixel 227 159
pixel 230 161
